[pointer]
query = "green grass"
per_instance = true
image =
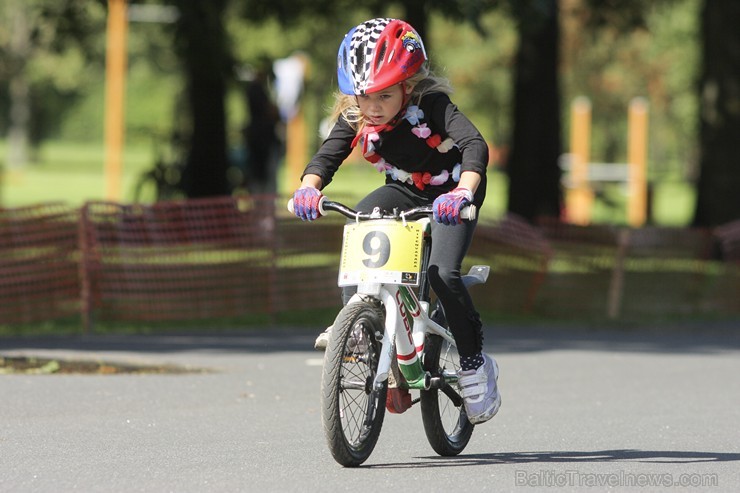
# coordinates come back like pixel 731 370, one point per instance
pixel 67 172
pixel 673 203
pixel 74 173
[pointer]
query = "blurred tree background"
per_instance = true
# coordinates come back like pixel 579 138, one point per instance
pixel 187 61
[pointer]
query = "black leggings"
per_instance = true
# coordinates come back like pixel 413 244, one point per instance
pixel 449 246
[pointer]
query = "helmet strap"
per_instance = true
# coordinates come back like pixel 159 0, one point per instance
pixel 392 123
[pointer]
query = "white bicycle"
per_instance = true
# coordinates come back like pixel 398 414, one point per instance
pixel 386 340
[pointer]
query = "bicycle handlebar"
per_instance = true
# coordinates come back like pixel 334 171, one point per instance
pixel 467 213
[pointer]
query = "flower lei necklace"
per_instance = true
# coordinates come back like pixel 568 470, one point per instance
pixel 371 134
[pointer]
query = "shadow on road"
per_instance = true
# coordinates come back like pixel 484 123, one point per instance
pixel 576 457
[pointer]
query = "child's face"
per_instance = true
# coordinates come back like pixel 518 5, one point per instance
pixel 379 107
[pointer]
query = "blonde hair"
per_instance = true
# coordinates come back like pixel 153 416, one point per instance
pixel 423 82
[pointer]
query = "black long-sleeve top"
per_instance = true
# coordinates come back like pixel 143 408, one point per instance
pixel 402 148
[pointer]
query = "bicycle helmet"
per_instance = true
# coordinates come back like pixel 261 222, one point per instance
pixel 378 54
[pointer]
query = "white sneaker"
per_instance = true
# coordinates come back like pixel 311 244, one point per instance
pixel 323 340
pixel 480 391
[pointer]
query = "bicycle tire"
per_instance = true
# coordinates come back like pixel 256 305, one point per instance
pixel 352 410
pixel 445 423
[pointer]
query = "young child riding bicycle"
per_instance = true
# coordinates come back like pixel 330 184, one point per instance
pixel 401 116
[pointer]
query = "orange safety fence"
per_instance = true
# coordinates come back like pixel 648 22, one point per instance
pixel 728 236
pixel 38 263
pixel 236 257
pixel 176 260
pixel 622 272
pixel 201 259
pixel 519 256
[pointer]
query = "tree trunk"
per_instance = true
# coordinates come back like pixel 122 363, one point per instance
pixel 20 102
pixel 202 47
pixel 718 189
pixel 534 173
pixel 416 14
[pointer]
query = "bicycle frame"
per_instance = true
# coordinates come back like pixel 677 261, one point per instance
pixel 407 320
pixel 406 324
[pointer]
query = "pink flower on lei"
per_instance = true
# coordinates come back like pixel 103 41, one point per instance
pixel 422 131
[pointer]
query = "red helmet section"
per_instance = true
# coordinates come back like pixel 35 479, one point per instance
pixel 378 54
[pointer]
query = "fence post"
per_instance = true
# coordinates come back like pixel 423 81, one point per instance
pixel 616 286
pixel 84 267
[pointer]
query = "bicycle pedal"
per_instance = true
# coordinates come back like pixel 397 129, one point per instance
pixel 398 401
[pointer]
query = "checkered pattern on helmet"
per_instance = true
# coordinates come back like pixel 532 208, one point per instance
pixel 362 46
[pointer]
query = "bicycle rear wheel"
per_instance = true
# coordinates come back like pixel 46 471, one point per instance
pixel 352 410
pixel 442 411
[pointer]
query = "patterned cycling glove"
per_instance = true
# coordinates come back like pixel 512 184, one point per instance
pixel 306 203
pixel 447 206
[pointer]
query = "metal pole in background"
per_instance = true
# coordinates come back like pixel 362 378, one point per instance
pixel 637 205
pixel 115 92
pixel 580 198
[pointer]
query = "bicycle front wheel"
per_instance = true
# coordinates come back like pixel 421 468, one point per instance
pixel 352 409
pixel 442 411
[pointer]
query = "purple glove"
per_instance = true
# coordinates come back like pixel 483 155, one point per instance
pixel 306 203
pixel 447 206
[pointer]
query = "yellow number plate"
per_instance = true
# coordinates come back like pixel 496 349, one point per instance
pixel 381 251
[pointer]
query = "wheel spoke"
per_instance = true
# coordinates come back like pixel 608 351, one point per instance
pixel 445 421
pixel 352 412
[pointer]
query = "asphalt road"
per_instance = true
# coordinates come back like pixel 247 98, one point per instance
pixel 582 411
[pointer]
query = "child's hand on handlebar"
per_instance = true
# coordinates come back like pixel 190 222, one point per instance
pixel 447 206
pixel 306 203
